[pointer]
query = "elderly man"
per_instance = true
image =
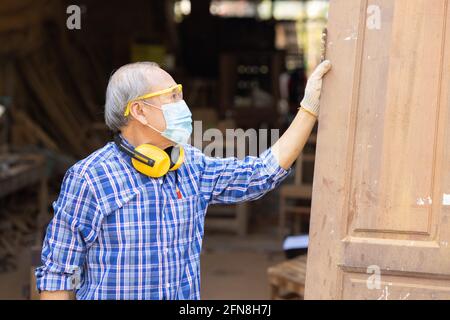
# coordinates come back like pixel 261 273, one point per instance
pixel 129 220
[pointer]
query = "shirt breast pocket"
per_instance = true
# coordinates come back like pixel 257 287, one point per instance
pixel 183 218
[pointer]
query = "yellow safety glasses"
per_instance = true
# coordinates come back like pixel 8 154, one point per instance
pixel 178 90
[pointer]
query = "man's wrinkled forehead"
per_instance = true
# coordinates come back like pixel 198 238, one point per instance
pixel 160 80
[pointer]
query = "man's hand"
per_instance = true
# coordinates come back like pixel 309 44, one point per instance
pixel 313 88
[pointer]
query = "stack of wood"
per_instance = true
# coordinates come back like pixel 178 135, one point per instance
pixel 55 81
pixel 55 86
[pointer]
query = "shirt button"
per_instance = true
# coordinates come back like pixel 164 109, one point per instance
pixel 167 285
pixel 166 250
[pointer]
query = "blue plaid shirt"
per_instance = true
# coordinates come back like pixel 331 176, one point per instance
pixel 117 234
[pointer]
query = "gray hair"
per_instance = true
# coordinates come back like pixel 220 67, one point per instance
pixel 127 83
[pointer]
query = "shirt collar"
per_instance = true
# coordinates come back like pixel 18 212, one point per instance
pixel 125 141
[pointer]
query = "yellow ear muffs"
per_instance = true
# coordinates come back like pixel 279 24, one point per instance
pixel 151 160
pixel 161 161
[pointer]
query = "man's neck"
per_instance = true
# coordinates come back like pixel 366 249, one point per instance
pixel 137 137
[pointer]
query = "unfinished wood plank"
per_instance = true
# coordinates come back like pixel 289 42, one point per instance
pixel 63 120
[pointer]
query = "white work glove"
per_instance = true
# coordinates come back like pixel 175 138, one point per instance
pixel 311 101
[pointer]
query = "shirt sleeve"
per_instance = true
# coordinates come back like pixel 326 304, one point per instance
pixel 230 180
pixel 73 228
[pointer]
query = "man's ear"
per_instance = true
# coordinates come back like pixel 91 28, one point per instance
pixel 137 111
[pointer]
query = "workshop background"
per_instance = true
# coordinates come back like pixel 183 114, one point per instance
pixel 243 64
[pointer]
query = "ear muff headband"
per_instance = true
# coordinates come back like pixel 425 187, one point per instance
pixel 133 153
pixel 176 159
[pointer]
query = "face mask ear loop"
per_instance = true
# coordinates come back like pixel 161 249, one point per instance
pixel 149 125
pixel 152 127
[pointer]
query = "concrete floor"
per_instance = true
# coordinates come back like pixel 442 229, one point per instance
pixel 235 268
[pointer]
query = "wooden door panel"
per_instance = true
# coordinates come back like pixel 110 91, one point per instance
pixel 394 148
pixel 382 198
pixel 395 288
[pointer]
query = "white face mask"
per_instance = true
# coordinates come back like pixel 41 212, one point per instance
pixel 178 119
